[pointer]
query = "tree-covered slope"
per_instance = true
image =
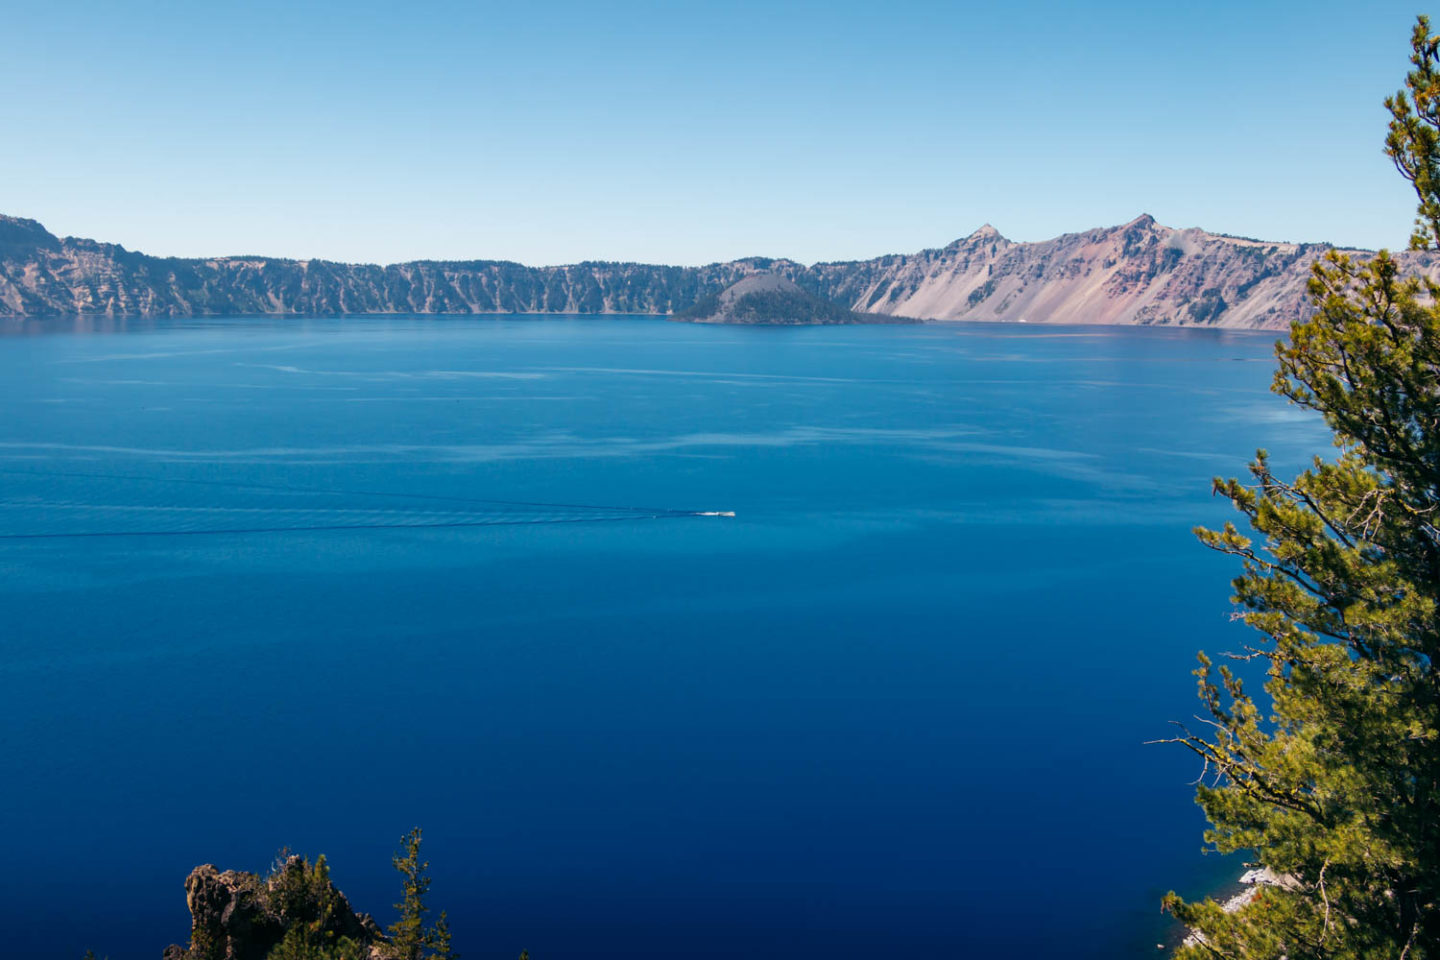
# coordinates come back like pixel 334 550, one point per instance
pixel 769 298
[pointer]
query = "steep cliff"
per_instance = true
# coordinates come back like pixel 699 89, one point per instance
pixel 1136 273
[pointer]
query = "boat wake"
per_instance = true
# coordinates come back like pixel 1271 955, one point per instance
pixel 44 506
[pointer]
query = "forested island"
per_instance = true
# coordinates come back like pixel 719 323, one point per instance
pixel 768 298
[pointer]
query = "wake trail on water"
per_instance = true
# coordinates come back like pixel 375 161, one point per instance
pixel 37 505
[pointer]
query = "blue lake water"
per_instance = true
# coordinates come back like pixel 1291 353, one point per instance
pixel 895 706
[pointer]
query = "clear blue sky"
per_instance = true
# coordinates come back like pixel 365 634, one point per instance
pixel 688 133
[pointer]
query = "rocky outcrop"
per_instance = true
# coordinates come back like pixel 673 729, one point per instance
pixel 1140 272
pixel 241 916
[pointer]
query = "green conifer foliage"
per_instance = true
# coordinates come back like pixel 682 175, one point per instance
pixel 302 900
pixel 1414 138
pixel 1336 788
pixel 411 938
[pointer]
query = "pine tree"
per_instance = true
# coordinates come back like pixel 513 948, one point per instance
pixel 410 937
pixel 302 899
pixel 1337 789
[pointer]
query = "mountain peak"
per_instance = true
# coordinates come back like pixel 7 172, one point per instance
pixel 986 232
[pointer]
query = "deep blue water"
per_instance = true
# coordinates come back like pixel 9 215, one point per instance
pixel 895 707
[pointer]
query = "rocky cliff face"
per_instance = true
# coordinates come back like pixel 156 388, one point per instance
pixel 42 275
pixel 1137 273
pixel 242 916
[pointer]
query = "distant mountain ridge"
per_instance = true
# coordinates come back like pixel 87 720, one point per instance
pixel 1137 273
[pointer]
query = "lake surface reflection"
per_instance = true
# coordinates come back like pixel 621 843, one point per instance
pixel 895 705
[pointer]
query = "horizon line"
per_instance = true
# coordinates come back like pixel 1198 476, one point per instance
pixel 740 259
